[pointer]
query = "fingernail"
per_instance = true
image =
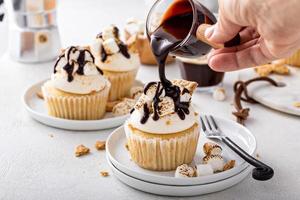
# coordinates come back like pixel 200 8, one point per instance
pixel 209 32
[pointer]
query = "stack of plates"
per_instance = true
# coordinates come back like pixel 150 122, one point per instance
pixel 164 183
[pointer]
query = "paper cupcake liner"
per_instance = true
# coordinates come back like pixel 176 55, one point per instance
pixel 121 82
pixel 85 107
pixel 294 59
pixel 162 154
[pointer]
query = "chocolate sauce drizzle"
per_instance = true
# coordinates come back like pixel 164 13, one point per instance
pixel 81 61
pixel 123 47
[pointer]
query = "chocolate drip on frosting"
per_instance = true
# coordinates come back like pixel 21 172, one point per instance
pixel 81 61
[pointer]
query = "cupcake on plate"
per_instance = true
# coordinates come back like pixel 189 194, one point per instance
pixel 163 129
pixel 118 61
pixel 77 89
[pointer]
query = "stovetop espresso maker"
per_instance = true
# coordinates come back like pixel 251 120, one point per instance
pixel 33 31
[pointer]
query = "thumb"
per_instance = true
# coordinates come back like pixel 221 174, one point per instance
pixel 223 31
pixel 229 21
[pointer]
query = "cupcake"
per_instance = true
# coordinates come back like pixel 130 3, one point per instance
pixel 294 59
pixel 135 33
pixel 118 62
pixel 163 129
pixel 77 89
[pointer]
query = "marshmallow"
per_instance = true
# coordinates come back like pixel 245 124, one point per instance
pixel 90 69
pixel 110 32
pixel 210 148
pixel 219 94
pixel 72 54
pixel 150 93
pixel 110 46
pixel 96 47
pixel 184 171
pixel 134 26
pixel 186 97
pixel 88 56
pixel 216 162
pixel 204 170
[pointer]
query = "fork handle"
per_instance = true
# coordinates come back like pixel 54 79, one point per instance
pixel 261 171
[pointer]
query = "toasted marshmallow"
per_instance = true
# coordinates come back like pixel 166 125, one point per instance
pixel 219 94
pixel 204 170
pixel 186 97
pixel 184 171
pixel 210 148
pixel 216 162
pixel 229 165
pixel 150 93
pixel 109 32
pixel 90 69
pixel 110 45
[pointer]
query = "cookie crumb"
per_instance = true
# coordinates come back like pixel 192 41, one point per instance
pixel 296 104
pixel 100 145
pixel 168 122
pixel 257 155
pixel 81 150
pixel 40 95
pixel 104 173
pixel 51 135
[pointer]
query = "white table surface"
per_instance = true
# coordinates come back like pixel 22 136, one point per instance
pixel 34 165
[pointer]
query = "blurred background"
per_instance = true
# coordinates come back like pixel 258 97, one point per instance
pixel 74 21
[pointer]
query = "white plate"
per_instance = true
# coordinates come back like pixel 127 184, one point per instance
pixel 120 157
pixel 37 110
pixel 172 190
pixel 277 98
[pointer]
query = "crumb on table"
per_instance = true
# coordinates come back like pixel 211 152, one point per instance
pixel 100 145
pixel 296 104
pixel 81 150
pixel 104 173
pixel 51 135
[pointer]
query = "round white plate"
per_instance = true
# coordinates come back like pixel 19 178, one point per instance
pixel 277 98
pixel 37 110
pixel 120 157
pixel 176 190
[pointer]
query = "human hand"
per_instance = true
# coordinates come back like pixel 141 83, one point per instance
pixel 269 30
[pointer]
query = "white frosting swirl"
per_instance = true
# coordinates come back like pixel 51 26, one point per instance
pixel 108 43
pixel 67 78
pixel 165 125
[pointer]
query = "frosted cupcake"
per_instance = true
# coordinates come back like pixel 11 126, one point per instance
pixel 77 89
pixel 163 131
pixel 118 62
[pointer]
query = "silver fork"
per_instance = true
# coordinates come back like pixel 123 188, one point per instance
pixel 261 171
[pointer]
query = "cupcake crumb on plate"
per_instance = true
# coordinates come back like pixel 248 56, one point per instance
pixel 81 150
pixel 104 173
pixel 100 145
pixel 39 94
